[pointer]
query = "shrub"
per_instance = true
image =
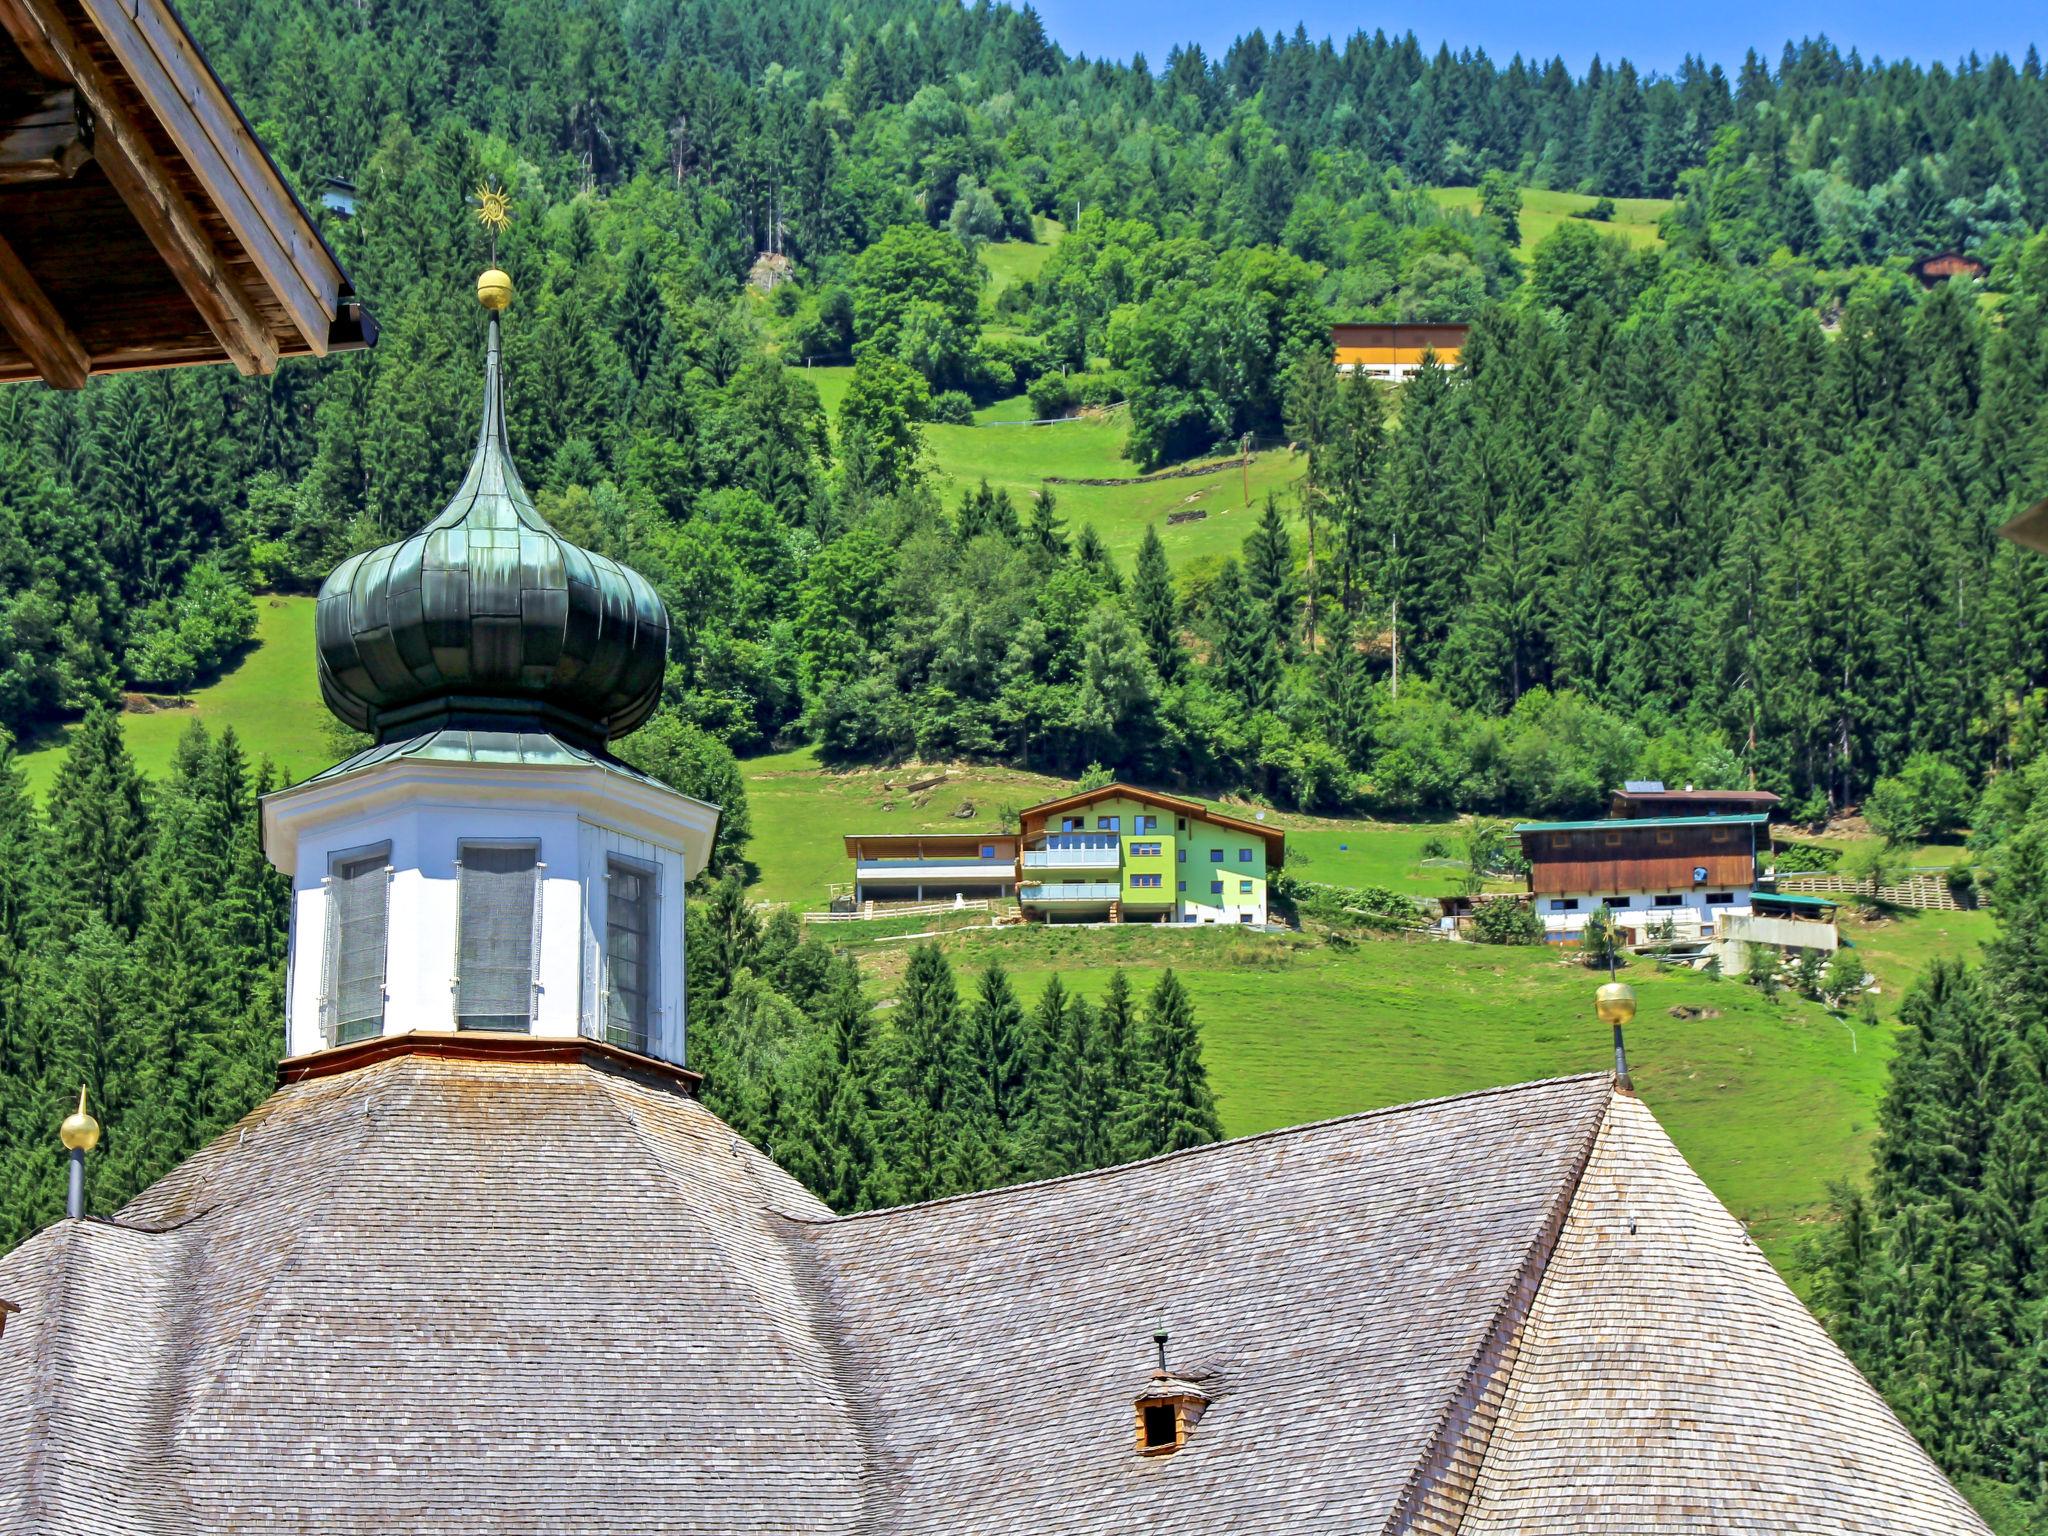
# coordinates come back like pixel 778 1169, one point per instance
pixel 952 408
pixel 177 641
pixel 1601 943
pixel 1843 978
pixel 1050 395
pixel 1362 906
pixel 1929 796
pixel 1108 388
pixel 1507 922
pixel 1806 859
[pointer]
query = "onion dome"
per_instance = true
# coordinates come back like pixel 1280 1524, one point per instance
pixel 489 618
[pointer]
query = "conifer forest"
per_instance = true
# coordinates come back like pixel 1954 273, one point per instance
pixel 1719 507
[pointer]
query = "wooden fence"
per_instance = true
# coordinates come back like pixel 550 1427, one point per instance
pixel 1930 893
pixel 870 910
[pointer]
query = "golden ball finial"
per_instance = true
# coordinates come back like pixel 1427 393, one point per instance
pixel 1615 1003
pixel 494 289
pixel 79 1132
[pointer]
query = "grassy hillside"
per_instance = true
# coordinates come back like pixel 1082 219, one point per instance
pixel 1017 458
pixel 269 696
pixel 1635 218
pixel 1013 261
pixel 1770 1101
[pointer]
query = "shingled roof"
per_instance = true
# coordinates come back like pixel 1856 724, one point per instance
pixel 539 1294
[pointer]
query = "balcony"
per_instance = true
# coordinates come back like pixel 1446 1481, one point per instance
pixel 993 871
pixel 1102 891
pixel 1091 857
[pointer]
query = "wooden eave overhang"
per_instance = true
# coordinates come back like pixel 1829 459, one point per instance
pixel 2030 527
pixel 142 223
pixel 1275 839
pixel 477 1045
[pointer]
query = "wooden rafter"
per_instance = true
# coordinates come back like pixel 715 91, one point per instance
pixel 139 175
pixel 28 316
pixel 45 143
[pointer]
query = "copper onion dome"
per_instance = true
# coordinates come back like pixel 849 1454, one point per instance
pixel 488 617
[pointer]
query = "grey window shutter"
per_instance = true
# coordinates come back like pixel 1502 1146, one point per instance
pixel 359 904
pixel 495 946
pixel 628 953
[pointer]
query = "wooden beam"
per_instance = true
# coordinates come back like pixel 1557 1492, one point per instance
pixel 32 320
pixel 166 68
pixel 45 143
pixel 41 57
pixel 145 184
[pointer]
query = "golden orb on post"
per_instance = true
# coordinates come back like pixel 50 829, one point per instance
pixel 1615 1003
pixel 79 1132
pixel 494 289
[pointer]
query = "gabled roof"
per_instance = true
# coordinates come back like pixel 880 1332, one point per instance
pixel 1275 838
pixel 1639 823
pixel 142 224
pixel 525 1293
pixel 1757 799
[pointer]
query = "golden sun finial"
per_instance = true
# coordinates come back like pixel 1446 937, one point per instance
pixel 494 211
pixel 493 208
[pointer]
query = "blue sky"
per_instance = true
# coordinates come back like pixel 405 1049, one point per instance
pixel 1656 34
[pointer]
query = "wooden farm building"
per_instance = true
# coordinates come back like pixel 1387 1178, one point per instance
pixel 1645 798
pixel 1394 353
pixel 1681 859
pixel 142 224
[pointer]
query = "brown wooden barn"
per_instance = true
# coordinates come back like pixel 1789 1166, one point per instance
pixel 1687 872
pixel 1394 352
pixel 1648 797
pixel 142 224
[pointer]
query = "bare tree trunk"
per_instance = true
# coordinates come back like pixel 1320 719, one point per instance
pixel 1394 625
pixel 1308 505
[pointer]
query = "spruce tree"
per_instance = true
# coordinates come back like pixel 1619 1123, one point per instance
pixel 1074 1127
pixel 1269 575
pixel 1043 528
pixel 1119 1033
pixel 1171 1108
pixel 99 828
pixel 833 1142
pixel 927 1018
pixel 994 1066
pixel 1155 609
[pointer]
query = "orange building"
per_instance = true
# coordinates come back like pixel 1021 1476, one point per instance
pixel 1393 353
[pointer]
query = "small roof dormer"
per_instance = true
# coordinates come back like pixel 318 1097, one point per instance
pixel 1168 1408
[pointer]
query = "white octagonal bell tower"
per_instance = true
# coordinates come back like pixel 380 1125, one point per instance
pixel 487 865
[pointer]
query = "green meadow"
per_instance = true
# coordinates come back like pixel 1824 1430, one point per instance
pixel 268 695
pixel 1771 1101
pixel 1003 448
pixel 1635 218
pixel 1009 262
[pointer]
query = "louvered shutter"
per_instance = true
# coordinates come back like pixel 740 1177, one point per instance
pixel 494 950
pixel 359 898
pixel 629 953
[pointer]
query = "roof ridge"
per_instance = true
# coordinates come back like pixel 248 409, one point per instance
pixel 1499 1341
pixel 1210 1147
